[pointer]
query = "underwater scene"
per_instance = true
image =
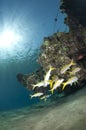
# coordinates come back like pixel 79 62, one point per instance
pixel 42 65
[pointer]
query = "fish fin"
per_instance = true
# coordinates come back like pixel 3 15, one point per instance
pixel 64 85
pixel 75 82
pixel 33 86
pixel 72 62
pixel 45 99
pixel 52 68
pixel 31 96
pixel 51 83
pixel 51 90
pixel 71 84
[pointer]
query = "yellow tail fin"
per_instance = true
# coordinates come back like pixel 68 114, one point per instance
pixel 72 62
pixel 52 68
pixel 64 85
pixel 51 83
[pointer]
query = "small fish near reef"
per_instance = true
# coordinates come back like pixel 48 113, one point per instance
pixel 47 76
pixel 45 97
pixel 57 84
pixel 36 94
pixel 75 70
pixel 40 84
pixel 70 81
pixel 67 67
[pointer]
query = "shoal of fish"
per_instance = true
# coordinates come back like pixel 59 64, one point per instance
pixel 56 82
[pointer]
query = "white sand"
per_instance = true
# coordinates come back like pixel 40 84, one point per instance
pixel 68 113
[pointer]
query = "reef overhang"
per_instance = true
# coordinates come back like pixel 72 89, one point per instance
pixel 60 48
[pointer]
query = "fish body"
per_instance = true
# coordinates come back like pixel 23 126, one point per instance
pixel 66 67
pixel 75 70
pixel 57 84
pixel 47 76
pixel 37 94
pixel 40 84
pixel 70 81
pixel 45 97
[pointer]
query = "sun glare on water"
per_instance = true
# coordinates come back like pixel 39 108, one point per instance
pixel 10 43
pixel 8 38
pixel 15 44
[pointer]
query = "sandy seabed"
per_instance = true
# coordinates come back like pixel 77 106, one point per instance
pixel 68 113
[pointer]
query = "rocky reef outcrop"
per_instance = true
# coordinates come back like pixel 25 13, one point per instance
pixel 60 48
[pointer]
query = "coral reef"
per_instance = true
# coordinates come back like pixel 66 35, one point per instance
pixel 76 13
pixel 58 50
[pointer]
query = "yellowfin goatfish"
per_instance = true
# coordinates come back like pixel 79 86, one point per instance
pixel 66 67
pixel 70 81
pixel 75 70
pixel 57 84
pixel 47 76
pixel 37 94
pixel 40 84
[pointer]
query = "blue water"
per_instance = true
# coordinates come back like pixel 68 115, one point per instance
pixel 30 20
pixel 12 93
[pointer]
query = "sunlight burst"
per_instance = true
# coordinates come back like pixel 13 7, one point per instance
pixel 8 38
